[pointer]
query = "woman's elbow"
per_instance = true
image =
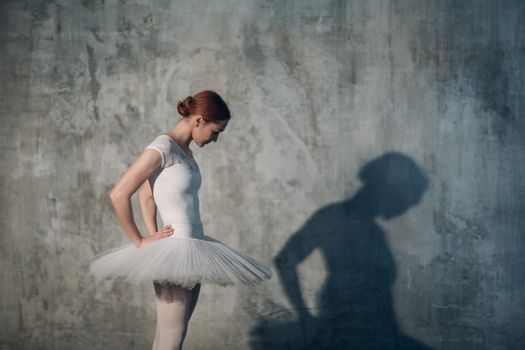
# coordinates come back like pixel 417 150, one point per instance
pixel 115 195
pixel 145 200
pixel 145 194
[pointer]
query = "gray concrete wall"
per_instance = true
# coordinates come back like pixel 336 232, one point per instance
pixel 375 159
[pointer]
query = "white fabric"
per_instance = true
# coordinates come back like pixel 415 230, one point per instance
pixel 176 184
pixel 189 256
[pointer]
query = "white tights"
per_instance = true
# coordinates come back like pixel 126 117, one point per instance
pixel 175 305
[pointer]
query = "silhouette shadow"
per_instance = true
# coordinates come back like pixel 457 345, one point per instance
pixel 354 304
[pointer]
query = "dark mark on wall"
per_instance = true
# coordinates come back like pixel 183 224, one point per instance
pixel 94 84
pixel 92 5
pixel 96 34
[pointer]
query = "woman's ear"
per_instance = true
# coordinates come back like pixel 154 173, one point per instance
pixel 199 120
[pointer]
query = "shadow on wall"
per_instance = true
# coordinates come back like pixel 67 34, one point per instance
pixel 354 305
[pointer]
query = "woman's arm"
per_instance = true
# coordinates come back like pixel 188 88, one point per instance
pixel 148 208
pixel 144 166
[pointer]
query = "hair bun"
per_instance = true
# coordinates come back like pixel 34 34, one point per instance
pixel 207 104
pixel 184 107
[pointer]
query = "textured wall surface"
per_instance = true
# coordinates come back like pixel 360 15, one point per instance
pixel 375 159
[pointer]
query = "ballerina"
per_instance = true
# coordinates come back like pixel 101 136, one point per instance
pixel 179 257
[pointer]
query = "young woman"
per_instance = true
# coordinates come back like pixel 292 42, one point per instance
pixel 179 257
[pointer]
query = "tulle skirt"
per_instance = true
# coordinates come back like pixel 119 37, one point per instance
pixel 185 258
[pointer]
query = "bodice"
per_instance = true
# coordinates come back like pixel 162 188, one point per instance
pixel 176 183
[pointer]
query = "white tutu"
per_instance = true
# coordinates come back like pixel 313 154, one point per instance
pixel 185 258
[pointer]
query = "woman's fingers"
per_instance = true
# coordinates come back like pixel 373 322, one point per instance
pixel 165 232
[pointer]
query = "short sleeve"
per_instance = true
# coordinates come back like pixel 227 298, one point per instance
pixel 162 145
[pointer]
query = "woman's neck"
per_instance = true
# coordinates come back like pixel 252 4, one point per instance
pixel 182 134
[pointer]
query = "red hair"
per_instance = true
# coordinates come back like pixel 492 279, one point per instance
pixel 206 103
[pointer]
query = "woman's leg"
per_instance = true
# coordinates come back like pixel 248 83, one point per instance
pixel 174 306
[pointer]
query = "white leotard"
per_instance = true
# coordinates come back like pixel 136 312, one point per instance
pixel 176 184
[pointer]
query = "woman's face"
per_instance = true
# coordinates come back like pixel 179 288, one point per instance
pixel 205 133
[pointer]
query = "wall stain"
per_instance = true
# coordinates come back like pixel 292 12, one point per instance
pixel 92 5
pixel 93 82
pixel 96 34
pixel 486 65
